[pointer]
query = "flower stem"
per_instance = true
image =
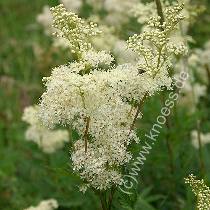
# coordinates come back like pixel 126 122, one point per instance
pixel 86 132
pixel 208 73
pixel 111 198
pixel 168 143
pixel 202 165
pixel 103 201
pixel 138 110
pixel 168 140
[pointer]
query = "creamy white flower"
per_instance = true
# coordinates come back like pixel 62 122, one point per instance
pixel 83 188
pixel 99 100
pixel 201 190
pixel 72 28
pixel 119 6
pixel 50 204
pixel 95 59
pixel 72 5
pixel 45 19
pixel 199 61
pixel 107 41
pixel 123 54
pixel 205 139
pixel 118 11
pixel 143 11
pixel 48 140
pixel 71 98
pixel 191 94
pixel 155 44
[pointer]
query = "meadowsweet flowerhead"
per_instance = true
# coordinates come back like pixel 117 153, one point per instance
pixel 91 102
pixel 201 191
pixel 154 45
pixel 77 31
pixel 97 100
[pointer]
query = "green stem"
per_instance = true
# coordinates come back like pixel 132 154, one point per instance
pixel 139 107
pixel 111 196
pixel 3 117
pixel 202 165
pixel 169 146
pixel 208 73
pixel 160 13
pixel 103 201
pixel 168 143
pixel 168 140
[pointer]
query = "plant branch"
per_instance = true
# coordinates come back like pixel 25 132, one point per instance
pixel 160 13
pixel 202 165
pixel 85 137
pixel 102 202
pixel 208 73
pixel 111 198
pixel 168 143
pixel 138 110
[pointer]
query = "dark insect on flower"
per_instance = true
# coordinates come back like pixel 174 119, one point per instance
pixel 141 71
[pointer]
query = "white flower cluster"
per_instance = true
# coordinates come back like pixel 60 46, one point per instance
pixel 50 204
pixel 73 5
pixel 48 140
pixel 45 19
pixel 200 62
pixel 118 11
pixel 191 94
pixel 96 59
pixel 142 11
pixel 115 16
pixel 201 191
pixel 92 104
pixel 110 42
pixel 123 53
pixel 99 101
pixel 74 29
pixel 199 65
pixel 205 138
pixel 154 45
pixel 107 41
